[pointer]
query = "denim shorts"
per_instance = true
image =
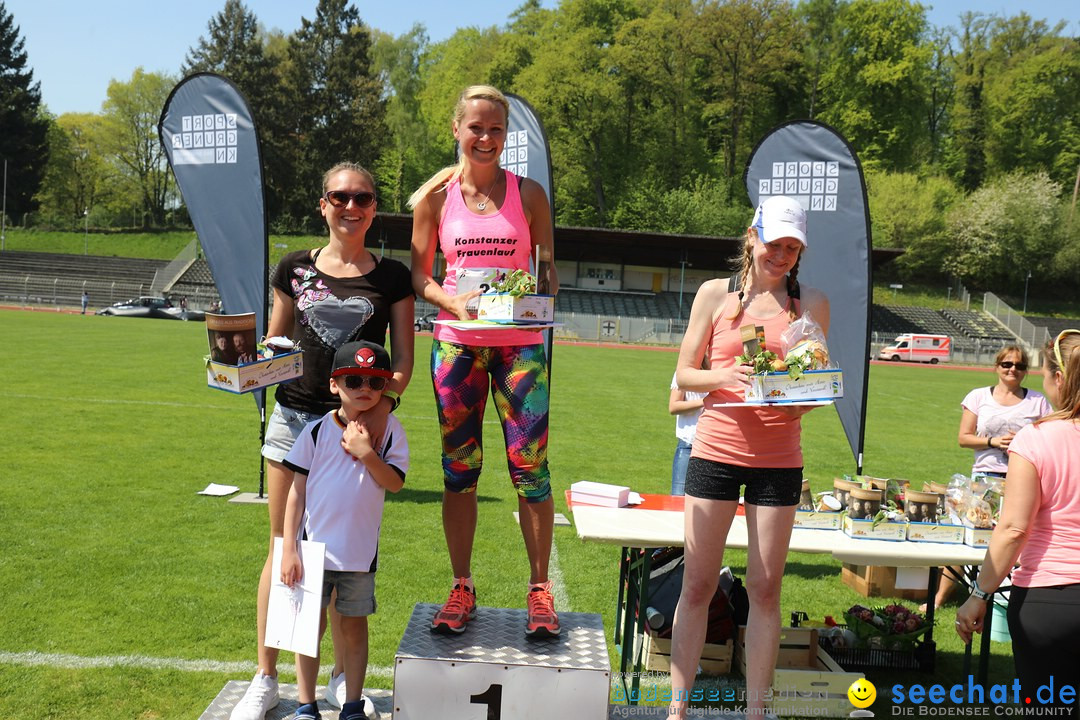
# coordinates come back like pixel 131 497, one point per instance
pixel 355 592
pixel 283 429
pixel 770 487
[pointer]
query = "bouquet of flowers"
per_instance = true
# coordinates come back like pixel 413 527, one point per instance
pixel 516 283
pixel 892 627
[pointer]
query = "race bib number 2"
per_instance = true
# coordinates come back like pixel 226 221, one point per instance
pixel 482 279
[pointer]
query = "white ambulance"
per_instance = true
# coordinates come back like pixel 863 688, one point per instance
pixel 915 347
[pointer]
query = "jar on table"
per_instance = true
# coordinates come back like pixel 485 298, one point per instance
pixel 842 489
pixel 864 503
pixel 921 506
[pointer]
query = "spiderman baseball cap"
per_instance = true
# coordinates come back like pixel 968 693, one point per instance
pixel 779 217
pixel 361 358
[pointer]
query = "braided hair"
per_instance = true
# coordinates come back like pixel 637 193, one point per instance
pixel 745 262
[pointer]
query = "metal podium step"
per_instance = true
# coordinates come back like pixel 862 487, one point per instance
pixel 223 704
pixel 493 665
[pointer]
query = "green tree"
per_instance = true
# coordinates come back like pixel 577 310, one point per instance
pixel 77 174
pixel 1034 100
pixel 819 18
pixel 1003 230
pixel 335 101
pixel 658 70
pixel 575 85
pixel 908 211
pixel 23 140
pixel 965 152
pixel 401 167
pixel 131 113
pixel 751 51
pixel 701 206
pixel 875 90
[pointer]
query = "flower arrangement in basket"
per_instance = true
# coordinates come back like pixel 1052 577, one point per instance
pixel 892 627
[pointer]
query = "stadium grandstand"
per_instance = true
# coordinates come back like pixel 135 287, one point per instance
pixel 620 285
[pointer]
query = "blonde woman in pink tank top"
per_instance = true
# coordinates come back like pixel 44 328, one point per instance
pixel 758 448
pixel 487 221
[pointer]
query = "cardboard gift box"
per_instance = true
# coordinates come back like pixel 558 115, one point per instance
pixel 252 376
pixel 977 537
pixel 935 532
pixel 879 581
pixel 818 520
pixel 865 530
pixel 515 308
pixel 234 363
pixel 811 385
pixel 587 492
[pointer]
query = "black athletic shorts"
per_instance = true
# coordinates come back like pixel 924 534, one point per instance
pixel 772 487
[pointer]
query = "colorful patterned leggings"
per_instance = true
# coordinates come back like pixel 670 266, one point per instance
pixel 519 384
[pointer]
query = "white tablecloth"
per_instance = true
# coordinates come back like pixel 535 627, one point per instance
pixel 629 527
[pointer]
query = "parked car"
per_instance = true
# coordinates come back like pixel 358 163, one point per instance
pixel 151 307
pixel 425 322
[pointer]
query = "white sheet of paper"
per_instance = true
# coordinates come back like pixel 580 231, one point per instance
pixel 218 490
pixel 292 617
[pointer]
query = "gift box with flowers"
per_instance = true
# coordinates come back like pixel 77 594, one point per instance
pixel 892 627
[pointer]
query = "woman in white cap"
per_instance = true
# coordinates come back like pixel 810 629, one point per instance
pixel 736 446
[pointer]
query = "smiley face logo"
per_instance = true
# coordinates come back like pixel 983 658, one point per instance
pixel 862 693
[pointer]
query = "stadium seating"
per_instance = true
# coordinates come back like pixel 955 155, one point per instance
pixel 54 278
pixel 977 324
pixel 964 325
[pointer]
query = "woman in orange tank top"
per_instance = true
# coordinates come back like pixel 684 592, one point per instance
pixel 758 448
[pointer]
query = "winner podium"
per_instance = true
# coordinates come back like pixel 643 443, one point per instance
pixel 493 672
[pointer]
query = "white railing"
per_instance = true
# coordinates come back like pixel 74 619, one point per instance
pixel 1034 337
pixel 168 275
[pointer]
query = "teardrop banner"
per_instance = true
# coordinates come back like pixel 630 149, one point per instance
pixel 209 136
pixel 811 162
pixel 526 153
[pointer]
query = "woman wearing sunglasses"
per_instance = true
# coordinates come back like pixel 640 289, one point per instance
pixel 1039 530
pixel 487 222
pixel 990 419
pixel 323 298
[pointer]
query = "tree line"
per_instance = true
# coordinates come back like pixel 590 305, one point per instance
pixel 969 134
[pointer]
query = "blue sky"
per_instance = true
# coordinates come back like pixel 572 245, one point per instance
pixel 77 48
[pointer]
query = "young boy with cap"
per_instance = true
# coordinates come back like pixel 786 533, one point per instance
pixel 341 475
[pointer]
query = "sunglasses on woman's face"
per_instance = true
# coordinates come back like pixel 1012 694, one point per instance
pixel 355 382
pixel 340 198
pixel 1009 364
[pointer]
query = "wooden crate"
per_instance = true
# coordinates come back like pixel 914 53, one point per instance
pixel 807 681
pixel 715 658
pixel 875 581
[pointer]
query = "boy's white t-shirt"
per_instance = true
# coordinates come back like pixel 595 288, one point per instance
pixel 344 503
pixel 686 423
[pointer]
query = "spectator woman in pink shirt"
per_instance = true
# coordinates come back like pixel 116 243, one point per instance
pixel 1039 529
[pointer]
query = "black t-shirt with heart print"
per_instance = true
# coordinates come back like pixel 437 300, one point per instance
pixel 329 312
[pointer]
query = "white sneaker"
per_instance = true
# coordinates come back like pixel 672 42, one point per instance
pixel 335 696
pixel 335 690
pixel 260 697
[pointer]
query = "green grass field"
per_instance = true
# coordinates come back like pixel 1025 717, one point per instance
pixel 126 594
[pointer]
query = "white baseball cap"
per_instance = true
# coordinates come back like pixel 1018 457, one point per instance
pixel 779 217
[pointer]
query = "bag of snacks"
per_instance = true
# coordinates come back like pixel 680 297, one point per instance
pixel 803 347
